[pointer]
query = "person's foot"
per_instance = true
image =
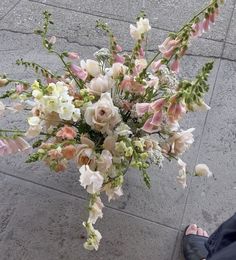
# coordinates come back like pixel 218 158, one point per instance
pixel 194 230
pixel 194 243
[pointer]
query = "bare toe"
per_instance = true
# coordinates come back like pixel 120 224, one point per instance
pixel 192 229
pixel 205 234
pixel 200 231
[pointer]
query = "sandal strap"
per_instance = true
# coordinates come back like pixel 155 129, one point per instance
pixel 194 247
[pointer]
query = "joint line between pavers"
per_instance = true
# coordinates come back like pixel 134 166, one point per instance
pixel 1 18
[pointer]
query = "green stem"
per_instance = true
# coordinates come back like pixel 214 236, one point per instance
pixel 68 68
pixel 18 81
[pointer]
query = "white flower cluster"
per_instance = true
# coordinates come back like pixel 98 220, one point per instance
pixel 57 100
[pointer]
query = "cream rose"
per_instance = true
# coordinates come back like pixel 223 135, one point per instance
pixel 103 116
pixel 99 85
pixel 91 66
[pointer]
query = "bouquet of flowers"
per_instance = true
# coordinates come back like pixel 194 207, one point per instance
pixel 115 111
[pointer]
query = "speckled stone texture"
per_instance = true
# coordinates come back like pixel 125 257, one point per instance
pixel 41 212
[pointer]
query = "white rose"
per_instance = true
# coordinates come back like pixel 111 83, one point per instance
pixel 90 180
pixel 203 170
pixel 102 116
pixel 95 211
pixel 99 85
pixel 91 66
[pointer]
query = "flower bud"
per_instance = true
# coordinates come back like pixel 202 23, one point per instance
pixel 3 82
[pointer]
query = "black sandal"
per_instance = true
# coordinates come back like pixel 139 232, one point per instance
pixel 193 246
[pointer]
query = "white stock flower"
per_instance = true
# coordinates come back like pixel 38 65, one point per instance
pixel 203 170
pixel 99 85
pixel 90 180
pixel 123 130
pixel 76 115
pixel 91 66
pixel 102 116
pixel 66 111
pixel 34 121
pixel 94 237
pixel 35 127
pixel 95 211
pixel 182 178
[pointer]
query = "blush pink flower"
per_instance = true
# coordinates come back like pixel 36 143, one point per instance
pixel 158 104
pixel 142 108
pixel 206 24
pixel 3 148
pixel 55 154
pixel 176 111
pixel 19 88
pixel 67 132
pixel 118 48
pixel 69 152
pixel 175 66
pixel 73 55
pixel 119 58
pixel 156 65
pixel 197 30
pixel 79 72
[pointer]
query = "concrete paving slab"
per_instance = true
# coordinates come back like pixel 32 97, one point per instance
pixel 6 6
pixel 230 52
pixel 231 37
pixel 47 225
pixel 168 15
pixel 80 28
pixel 211 201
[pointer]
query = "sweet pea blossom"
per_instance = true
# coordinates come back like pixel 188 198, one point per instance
pixel 95 210
pixel 91 180
pixel 202 170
